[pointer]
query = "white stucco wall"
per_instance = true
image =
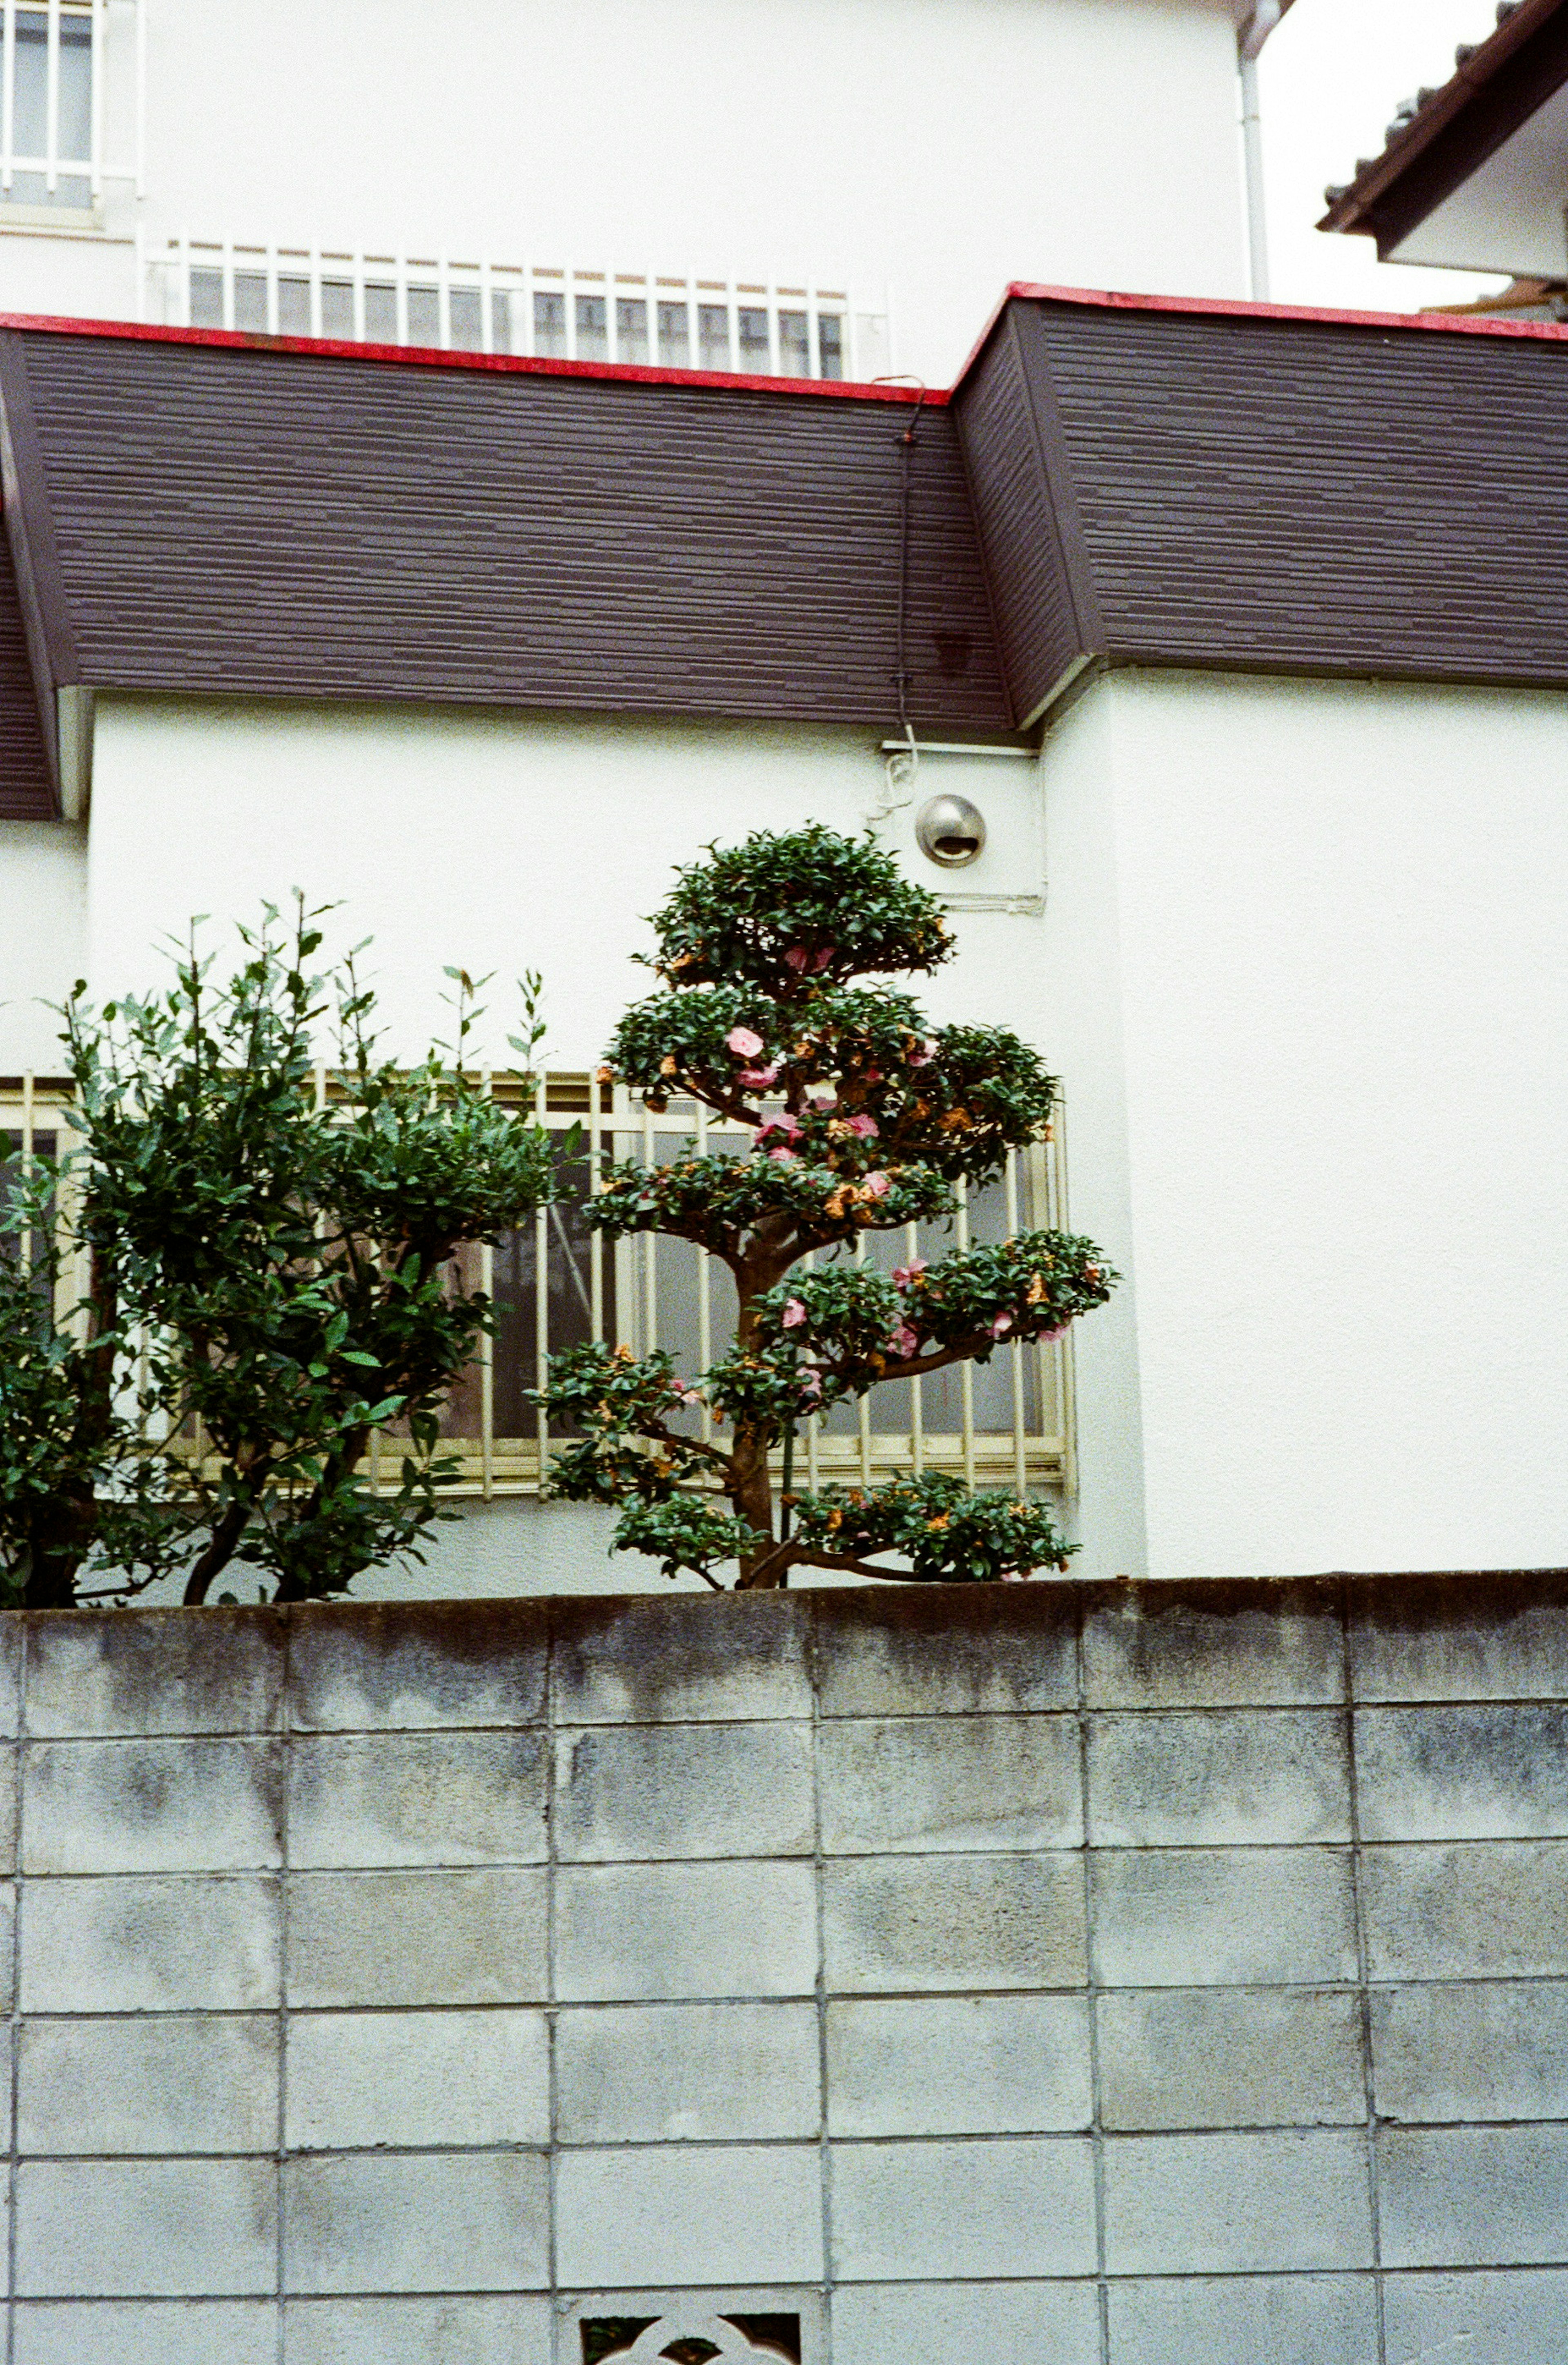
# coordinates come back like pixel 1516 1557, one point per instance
pixel 43 942
pixel 941 147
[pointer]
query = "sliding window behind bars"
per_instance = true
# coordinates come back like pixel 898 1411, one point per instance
pixel 559 1282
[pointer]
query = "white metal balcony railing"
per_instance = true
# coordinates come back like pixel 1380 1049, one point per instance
pixel 687 321
pixel 1007 1423
pixel 53 82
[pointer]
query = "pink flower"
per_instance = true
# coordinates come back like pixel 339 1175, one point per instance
pixel 923 1055
pixel 794 1314
pixel 1016 1575
pixel 757 1076
pixel 783 1157
pixel 872 1076
pixel 810 1387
pixel 1050 1337
pixel 866 1126
pixel 904 1341
pixel 874 1187
pixel 744 1042
pixel 1002 1326
pixel 785 1125
pixel 825 1103
pixel 904 1274
pixel 824 957
pixel 796 959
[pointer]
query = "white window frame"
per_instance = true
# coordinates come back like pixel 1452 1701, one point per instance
pixel 95 168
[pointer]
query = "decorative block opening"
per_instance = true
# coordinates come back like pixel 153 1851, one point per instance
pixel 694 2339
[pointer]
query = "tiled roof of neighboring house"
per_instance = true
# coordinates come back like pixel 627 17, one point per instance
pixel 1437 138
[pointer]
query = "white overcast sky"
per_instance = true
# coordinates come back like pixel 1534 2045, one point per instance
pixel 1331 78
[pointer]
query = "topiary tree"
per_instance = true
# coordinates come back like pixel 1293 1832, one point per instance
pixel 864 1119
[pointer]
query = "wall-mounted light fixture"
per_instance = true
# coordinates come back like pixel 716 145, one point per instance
pixel 950 831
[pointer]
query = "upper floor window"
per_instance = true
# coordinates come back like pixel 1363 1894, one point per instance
pixel 53 62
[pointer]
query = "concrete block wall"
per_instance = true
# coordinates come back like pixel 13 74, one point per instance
pixel 1046 1975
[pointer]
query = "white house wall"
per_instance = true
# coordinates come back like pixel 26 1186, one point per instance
pixel 43 940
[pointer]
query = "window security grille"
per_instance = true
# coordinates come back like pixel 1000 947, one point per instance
pixel 690 322
pixel 54 77
pixel 1009 1423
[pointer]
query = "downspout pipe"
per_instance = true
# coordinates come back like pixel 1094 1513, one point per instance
pixel 1265 16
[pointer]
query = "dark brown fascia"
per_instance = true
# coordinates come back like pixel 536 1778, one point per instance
pixel 29 530
pixel 1491 97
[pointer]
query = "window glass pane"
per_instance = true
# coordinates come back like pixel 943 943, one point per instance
pixel 675 336
pixel 830 343
pixel 593 337
pixel 794 345
pixel 570 1299
pixel 550 326
pixel 293 308
pixel 424 315
pixel 44 1145
pixel 337 309
pixel 755 355
pixel 631 330
pixel 206 300
pixel 500 321
pixel 250 300
pixel 381 314
pixel 75 101
pixel 467 320
pixel 713 336
pixel 29 121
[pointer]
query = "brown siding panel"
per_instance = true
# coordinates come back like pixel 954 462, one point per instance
pixel 25 791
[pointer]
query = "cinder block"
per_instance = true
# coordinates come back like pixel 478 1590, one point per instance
pixel 1248 2320
pixel 1460 1638
pixel 659 1931
pixel 1473 2196
pixel 13 1633
pixel 416 2077
pixel 1200 1917
pixel 176 1945
pixel 420 2222
pixel 151 1806
pixel 1477 2319
pixel 363 1666
pixel 418 1937
pixel 688 2214
pixel 1214 1645
pixel 146 2228
pixel 954 1921
pixel 690 2072
pixel 430 1800
pixel 1497 1911
pixel 97 1674
pixel 1231 2057
pixel 967 2324
pixel 174 2083
pixel 930 1784
pixel 1237 2203
pixel 912 2211
pixel 1463 1772
pixel 1271 1777
pixel 146 2332
pixel 959 2065
pixel 469 2330
pixel 1477 2051
pixel 684 1791
pixel 935 1650
pixel 741 1656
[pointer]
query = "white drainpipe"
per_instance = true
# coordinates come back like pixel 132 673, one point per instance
pixel 1265 16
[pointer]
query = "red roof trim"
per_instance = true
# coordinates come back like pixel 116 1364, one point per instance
pixel 437 357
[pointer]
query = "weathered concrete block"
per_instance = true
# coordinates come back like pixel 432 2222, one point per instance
pixel 1214 1645
pixel 909 2211
pixel 1477 2319
pixel 470 2330
pixel 368 1666
pixel 684 1791
pixel 134 1944
pixel 928 1784
pixel 963 2324
pixel 96 1674
pixel 146 2332
pixel 1197 1917
pixel 12 1642
pixel 1460 1638
pixel 1476 2051
pixel 665 1931
pixel 360 2079
pixel 420 2222
pixel 650 1662
pixel 1488 1912
pixel 151 1806
pixel 945 1650
pixel 954 1921
pixel 687 2215
pixel 1271 1777
pixel 153 2228
pixel 176 2083
pixel 1463 1772
pixel 1473 2196
pixel 1237 2203
pixel 1230 2058
pixel 418 1937
pixel 424 1799
pixel 1248 2320
pixel 969 2065
pixel 688 2072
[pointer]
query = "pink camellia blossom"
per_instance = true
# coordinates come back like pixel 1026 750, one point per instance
pixel 796 959
pixel 871 1075
pixel 785 1125
pixel 1016 1575
pixel 904 1341
pixel 905 1274
pixel 1050 1337
pixel 1002 1326
pixel 757 1077
pixel 811 1387
pixel 794 1314
pixel 744 1042
pixel 922 1054
pixel 866 1126
pixel 825 1103
pixel 783 1157
pixel 824 957
pixel 874 1187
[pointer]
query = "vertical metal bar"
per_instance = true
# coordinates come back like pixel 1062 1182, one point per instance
pixel 596 1238
pixel 1062 1350
pixel 916 1407
pixel 27 1248
pixel 771 301
pixel 967 1370
pixel 401 296
pixel 488 1349
pixel 443 315
pixel 227 267
pixel 733 314
pixel 51 101
pixel 864 1406
pixel 612 344
pixel 569 302
pixel 487 311
pixel 183 265
pixel 1020 1468
pixel 140 97
pixel 542 1303
pixel 275 312
pixel 813 1426
pixel 705 1281
pixel 313 266
pixel 356 286
pixel 650 1270
pixel 813 334
pixel 8 92
pixel 97 60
